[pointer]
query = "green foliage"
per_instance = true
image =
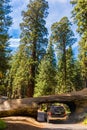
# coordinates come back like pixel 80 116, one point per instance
pixel 70 65
pixel 32 67
pixel 73 71
pixel 62 34
pixel 73 74
pixel 2 90
pixel 78 78
pixel 19 73
pixel 5 23
pixel 85 121
pixel 34 33
pixel 83 59
pixel 2 125
pixel 63 37
pixel 34 37
pixel 80 17
pixel 79 14
pixel 45 79
pixel 31 50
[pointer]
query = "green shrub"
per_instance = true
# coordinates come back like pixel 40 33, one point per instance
pixel 2 125
pixel 85 119
pixel 85 122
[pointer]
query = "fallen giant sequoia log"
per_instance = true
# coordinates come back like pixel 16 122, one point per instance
pixel 18 107
pixel 77 102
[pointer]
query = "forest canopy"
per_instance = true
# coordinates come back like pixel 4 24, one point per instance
pixel 43 64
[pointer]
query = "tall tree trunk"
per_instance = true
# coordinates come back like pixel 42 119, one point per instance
pixel 30 89
pixel 31 83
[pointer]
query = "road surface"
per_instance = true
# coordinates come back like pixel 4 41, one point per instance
pixel 25 123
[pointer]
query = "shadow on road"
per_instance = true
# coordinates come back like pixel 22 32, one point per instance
pixel 21 126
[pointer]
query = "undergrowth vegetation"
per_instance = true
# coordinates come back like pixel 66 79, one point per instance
pixel 2 125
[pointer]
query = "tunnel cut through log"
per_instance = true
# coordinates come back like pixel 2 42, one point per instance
pixel 71 106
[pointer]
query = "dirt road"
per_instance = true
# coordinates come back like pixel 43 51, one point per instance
pixel 25 123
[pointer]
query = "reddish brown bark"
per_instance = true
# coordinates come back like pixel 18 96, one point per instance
pixel 31 82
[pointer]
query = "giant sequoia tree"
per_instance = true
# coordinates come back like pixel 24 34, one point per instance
pixel 63 36
pixel 5 22
pixel 79 14
pixel 33 36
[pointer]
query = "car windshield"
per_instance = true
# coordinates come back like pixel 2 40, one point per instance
pixel 56 108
